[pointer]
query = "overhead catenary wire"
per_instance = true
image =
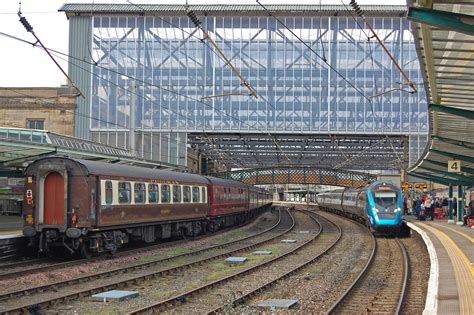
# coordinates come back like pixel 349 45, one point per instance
pixel 29 29
pixel 40 101
pixel 315 53
pixel 360 13
pixel 138 80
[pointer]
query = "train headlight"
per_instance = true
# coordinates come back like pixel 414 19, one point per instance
pixel 398 210
pixel 375 209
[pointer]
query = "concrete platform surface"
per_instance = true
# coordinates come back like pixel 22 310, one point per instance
pixel 451 283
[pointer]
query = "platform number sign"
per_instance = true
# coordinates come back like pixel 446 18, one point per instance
pixel 454 166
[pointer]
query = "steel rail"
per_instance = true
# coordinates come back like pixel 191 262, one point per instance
pixel 165 303
pixel 84 292
pixel 405 277
pixel 296 269
pixel 131 268
pixel 357 279
pixel 76 262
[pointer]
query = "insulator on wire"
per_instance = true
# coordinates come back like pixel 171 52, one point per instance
pixel 193 18
pixel 27 25
pixel 356 8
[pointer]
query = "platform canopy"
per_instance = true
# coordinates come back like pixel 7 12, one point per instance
pixel 19 147
pixel 444 37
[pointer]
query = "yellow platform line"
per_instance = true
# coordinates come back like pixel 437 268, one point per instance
pixel 463 270
pixel 471 239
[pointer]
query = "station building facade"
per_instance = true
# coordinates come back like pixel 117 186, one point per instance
pixel 153 56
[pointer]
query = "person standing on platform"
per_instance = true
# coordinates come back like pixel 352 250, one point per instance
pixel 466 215
pixel 428 208
pixel 417 207
pixel 445 206
pixel 410 205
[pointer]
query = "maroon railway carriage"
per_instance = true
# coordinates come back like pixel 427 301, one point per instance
pixel 88 206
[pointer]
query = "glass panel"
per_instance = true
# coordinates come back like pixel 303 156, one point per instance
pixel 108 192
pixel 124 190
pixel 140 193
pixel 186 194
pixel 196 194
pixel 165 193
pixel 176 194
pixel 152 193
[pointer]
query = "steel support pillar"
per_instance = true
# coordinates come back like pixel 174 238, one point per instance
pixel 451 220
pixel 460 206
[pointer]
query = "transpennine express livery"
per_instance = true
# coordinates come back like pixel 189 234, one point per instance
pixel 378 205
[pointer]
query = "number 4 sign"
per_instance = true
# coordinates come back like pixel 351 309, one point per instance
pixel 454 166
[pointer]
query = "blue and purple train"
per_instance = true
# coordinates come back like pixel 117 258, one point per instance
pixel 378 205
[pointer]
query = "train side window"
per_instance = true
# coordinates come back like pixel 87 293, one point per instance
pixel 203 194
pixel 186 194
pixel 139 192
pixel 195 194
pixel 176 194
pixel 165 193
pixel 124 190
pixel 153 193
pixel 109 192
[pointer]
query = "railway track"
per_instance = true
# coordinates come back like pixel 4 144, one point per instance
pixel 380 287
pixel 32 266
pixel 47 295
pixel 267 272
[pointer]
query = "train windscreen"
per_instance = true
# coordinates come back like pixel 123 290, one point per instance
pixel 385 199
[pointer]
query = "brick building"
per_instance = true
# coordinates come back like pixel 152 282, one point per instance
pixel 46 108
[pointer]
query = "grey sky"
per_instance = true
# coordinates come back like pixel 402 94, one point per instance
pixel 24 65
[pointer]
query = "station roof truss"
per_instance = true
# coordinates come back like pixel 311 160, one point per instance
pixel 354 152
pixel 300 175
pixel 18 147
pixel 226 9
pixel 444 38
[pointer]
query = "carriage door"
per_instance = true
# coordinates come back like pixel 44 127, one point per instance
pixel 54 199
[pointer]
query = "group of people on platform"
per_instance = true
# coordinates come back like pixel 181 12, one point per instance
pixel 424 207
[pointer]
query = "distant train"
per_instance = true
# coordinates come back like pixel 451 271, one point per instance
pixel 89 207
pixel 378 205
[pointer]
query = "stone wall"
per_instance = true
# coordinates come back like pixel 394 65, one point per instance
pixel 55 106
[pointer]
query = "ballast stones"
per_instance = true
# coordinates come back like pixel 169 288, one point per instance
pixel 115 295
pixel 236 260
pixel 278 303
pixel 288 241
pixel 262 252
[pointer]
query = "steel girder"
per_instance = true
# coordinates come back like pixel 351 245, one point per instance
pixel 361 152
pixel 299 175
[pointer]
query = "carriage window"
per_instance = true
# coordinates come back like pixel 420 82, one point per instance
pixel 196 194
pixel 124 190
pixel 176 193
pixel 165 193
pixel 186 194
pixel 140 193
pixel 153 193
pixel 203 194
pixel 108 192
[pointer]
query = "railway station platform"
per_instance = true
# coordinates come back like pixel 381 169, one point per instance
pixel 451 248
pixel 10 224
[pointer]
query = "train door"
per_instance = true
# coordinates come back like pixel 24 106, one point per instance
pixel 53 199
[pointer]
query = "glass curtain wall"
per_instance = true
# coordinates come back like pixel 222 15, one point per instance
pixel 178 84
